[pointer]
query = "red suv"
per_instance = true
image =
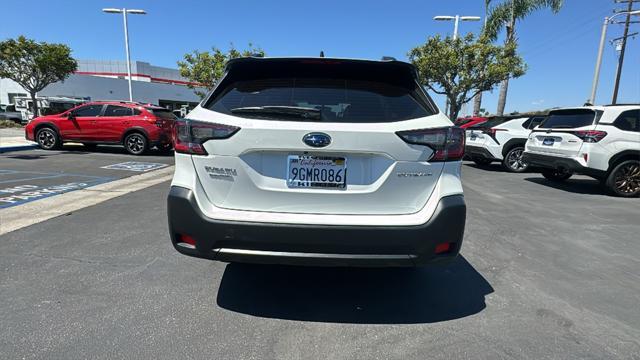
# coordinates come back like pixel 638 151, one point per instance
pixel 136 126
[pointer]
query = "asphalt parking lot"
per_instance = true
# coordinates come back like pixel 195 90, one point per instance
pixel 27 176
pixel 546 271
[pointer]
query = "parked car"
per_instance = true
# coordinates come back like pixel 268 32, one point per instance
pixel 9 113
pixel 500 139
pixel 599 141
pixel 47 105
pixel 318 161
pixel 136 126
pixel 470 121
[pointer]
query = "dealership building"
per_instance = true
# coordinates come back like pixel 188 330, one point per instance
pixel 107 80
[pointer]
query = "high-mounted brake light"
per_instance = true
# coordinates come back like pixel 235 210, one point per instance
pixel 590 136
pixel 189 135
pixel 447 143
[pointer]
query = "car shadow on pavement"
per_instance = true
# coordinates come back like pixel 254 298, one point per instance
pixel 495 167
pixel 110 149
pixel 355 295
pixel 578 186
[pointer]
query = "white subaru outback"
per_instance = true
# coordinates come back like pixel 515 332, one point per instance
pixel 318 161
pixel 600 141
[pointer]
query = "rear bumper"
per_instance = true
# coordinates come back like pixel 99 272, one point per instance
pixel 478 152
pixel 555 162
pixel 160 138
pixel 316 245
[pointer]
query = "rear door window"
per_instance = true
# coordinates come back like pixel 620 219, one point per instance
pixel 628 121
pixel 88 111
pixel 569 119
pixel 533 122
pixel 114 111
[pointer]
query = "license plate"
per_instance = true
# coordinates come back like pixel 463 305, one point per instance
pixel 323 172
pixel 548 141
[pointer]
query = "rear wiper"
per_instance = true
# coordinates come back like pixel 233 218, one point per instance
pixel 297 111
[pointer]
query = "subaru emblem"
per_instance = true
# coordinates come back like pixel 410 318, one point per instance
pixel 317 140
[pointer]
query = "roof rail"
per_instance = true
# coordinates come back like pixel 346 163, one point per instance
pixel 388 58
pixel 627 104
pixel 125 102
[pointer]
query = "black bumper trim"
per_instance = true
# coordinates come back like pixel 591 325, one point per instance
pixel 316 245
pixel 555 162
pixel 477 151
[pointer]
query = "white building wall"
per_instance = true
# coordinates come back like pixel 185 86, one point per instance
pixel 102 88
pixel 9 86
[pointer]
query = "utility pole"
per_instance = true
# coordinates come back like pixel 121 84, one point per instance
pixel 607 20
pixel 623 46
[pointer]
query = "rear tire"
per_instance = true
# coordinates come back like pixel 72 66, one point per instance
pixel 136 143
pixel 48 139
pixel 482 161
pixel 513 160
pixel 624 179
pixel 556 174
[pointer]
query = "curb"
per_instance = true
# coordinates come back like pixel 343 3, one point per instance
pixel 17 148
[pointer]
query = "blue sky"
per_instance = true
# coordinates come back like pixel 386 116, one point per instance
pixel 560 50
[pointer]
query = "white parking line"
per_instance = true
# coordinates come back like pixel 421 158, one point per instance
pixel 20 216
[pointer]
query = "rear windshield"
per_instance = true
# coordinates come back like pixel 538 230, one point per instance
pixel 489 123
pixel 569 119
pixel 461 122
pixel 162 113
pixel 322 93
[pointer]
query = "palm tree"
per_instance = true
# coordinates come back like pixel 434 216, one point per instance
pixel 506 15
pixel 477 101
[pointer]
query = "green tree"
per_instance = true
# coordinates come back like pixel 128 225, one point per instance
pixel 34 65
pixel 206 68
pixel 461 68
pixel 506 15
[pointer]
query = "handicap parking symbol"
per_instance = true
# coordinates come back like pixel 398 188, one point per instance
pixel 135 166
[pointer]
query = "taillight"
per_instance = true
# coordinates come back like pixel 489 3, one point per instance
pixel 189 135
pixel 447 143
pixel 590 136
pixel 492 133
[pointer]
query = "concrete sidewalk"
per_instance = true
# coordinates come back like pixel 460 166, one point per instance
pixel 12 139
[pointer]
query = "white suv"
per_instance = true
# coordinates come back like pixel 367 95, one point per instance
pixel 599 141
pixel 500 140
pixel 318 161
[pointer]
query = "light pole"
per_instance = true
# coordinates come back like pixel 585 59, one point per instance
pixel 456 19
pixel 596 75
pixel 126 37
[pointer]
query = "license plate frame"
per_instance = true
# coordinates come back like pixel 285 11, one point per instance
pixel 314 166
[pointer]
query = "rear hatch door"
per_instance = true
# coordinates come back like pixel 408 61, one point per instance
pixel 560 133
pixel 319 137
